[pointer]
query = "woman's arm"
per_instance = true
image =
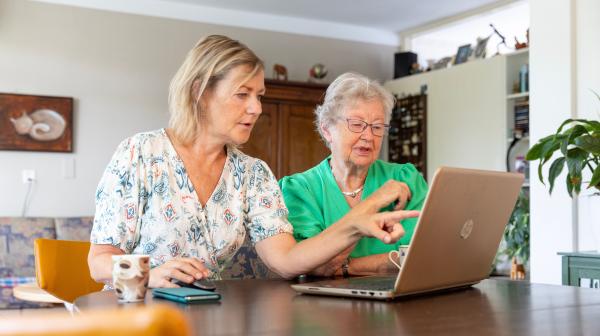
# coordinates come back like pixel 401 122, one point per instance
pixel 368 265
pixel 283 255
pixel 100 261
pixel 184 269
pixel 373 264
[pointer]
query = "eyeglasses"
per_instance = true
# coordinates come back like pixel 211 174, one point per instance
pixel 359 126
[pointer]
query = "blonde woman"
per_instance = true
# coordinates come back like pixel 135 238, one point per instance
pixel 186 196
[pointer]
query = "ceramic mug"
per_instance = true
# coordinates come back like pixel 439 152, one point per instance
pixel 400 254
pixel 130 275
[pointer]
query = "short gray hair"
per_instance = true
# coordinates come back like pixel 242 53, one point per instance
pixel 345 91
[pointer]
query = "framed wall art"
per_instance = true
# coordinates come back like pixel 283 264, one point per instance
pixel 36 123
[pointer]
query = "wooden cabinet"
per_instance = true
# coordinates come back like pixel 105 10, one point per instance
pixel 285 136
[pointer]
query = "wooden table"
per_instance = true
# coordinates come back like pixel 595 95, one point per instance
pixel 493 307
pixel 31 292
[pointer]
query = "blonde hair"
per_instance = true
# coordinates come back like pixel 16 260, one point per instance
pixel 211 59
pixel 345 91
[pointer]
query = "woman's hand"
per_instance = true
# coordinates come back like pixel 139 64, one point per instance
pixel 391 191
pixel 384 226
pixel 185 269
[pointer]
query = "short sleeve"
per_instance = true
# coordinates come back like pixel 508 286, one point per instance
pixel 409 174
pixel 305 214
pixel 119 199
pixel 266 211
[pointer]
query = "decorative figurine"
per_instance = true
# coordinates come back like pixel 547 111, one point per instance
pixel 519 45
pixel 517 271
pixel 280 72
pixel 317 72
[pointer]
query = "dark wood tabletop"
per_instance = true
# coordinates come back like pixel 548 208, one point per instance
pixel 492 307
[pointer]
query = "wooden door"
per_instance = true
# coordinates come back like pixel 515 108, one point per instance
pixel 284 136
pixel 263 141
pixel 302 147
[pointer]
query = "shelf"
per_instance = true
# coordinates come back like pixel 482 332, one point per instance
pixel 517 95
pixel 518 52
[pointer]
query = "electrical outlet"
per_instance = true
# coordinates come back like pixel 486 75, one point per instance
pixel 28 175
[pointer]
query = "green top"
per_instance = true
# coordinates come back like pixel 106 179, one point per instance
pixel 315 201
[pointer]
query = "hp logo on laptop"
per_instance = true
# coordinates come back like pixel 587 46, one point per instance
pixel 466 230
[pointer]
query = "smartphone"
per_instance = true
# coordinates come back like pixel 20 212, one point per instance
pixel 185 295
pixel 204 284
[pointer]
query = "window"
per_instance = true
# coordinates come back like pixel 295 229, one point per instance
pixel 511 21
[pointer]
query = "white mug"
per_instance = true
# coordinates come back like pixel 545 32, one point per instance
pixel 401 252
pixel 130 274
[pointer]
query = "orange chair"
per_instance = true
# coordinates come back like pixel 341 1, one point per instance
pixel 62 270
pixel 154 320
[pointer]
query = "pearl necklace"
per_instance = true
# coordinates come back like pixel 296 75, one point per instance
pixel 353 193
pixel 348 193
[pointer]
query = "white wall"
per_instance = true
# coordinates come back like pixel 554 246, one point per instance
pixel 466 114
pixel 564 58
pixel 117 67
pixel 587 43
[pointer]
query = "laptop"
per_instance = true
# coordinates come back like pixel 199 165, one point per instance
pixel 455 239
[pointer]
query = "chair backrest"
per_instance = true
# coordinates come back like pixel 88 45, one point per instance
pixel 153 320
pixel 62 270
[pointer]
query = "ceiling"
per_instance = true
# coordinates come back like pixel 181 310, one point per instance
pixel 376 21
pixel 392 15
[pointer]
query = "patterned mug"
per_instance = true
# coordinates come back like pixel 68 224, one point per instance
pixel 130 274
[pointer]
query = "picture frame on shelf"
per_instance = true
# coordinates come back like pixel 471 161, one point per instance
pixel 481 47
pixel 462 54
pixel 442 63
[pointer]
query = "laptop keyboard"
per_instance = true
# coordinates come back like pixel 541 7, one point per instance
pixel 372 283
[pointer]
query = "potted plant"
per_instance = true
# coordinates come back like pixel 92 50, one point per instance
pixel 516 237
pixel 578 143
pixel 514 247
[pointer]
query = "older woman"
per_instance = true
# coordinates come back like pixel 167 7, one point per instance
pixel 187 196
pixel 352 121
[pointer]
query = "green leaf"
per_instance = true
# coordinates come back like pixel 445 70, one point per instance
pixel 568 121
pixel 576 180
pixel 595 181
pixel 535 152
pixel 549 148
pixel 576 158
pixel 540 175
pixel 569 186
pixel 574 132
pixel 589 143
pixel 555 170
pixel 592 125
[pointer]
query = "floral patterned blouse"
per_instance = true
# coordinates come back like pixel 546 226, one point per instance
pixel 146 204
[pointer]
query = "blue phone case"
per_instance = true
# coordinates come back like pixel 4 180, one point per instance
pixel 185 295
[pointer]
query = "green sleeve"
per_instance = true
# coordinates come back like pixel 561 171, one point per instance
pixel 304 211
pixel 417 185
